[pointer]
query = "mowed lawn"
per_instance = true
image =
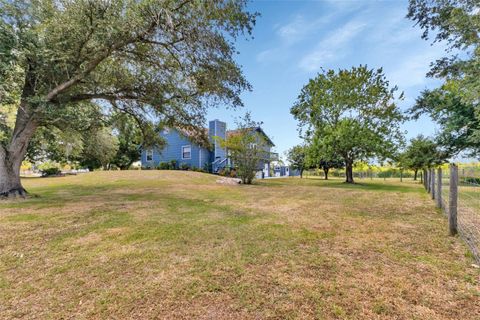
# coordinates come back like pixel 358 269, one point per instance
pixel 177 245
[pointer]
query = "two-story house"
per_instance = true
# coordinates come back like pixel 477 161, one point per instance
pixel 180 148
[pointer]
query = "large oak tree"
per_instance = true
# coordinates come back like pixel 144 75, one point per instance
pixel 154 60
pixel 350 114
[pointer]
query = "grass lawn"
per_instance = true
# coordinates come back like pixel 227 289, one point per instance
pixel 171 244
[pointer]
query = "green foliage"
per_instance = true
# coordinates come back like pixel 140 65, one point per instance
pixel 459 121
pixel 456 22
pixel 247 148
pixel 157 61
pixel 455 105
pixel 52 171
pixel 164 166
pixel 421 153
pixel 317 158
pixel 129 137
pixel 172 165
pixel 297 157
pixel 99 150
pixel 350 114
pixel 184 166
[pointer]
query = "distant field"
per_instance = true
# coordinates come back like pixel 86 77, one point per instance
pixel 176 245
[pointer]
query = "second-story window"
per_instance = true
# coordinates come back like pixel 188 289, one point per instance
pixel 186 152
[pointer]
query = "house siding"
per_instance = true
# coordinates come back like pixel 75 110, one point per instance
pixel 173 151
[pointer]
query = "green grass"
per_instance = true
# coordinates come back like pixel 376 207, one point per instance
pixel 164 244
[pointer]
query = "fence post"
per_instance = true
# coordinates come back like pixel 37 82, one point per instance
pixel 429 178
pixel 452 201
pixel 425 181
pixel 425 178
pixel 432 183
pixel 439 188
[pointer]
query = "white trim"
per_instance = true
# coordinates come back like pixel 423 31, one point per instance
pixel 187 146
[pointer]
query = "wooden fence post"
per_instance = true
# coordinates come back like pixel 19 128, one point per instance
pixel 425 178
pixel 452 201
pixel 429 178
pixel 439 188
pixel 432 183
pixel 425 181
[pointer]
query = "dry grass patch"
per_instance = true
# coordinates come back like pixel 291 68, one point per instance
pixel 166 244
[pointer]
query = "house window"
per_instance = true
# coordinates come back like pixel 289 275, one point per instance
pixel 150 155
pixel 186 152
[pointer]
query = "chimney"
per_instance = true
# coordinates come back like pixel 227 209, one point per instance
pixel 217 128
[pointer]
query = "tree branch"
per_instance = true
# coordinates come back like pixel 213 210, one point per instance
pixel 95 62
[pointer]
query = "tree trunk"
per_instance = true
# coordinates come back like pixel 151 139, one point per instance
pixel 12 155
pixel 10 184
pixel 415 175
pixel 325 171
pixel 349 172
pixel 301 173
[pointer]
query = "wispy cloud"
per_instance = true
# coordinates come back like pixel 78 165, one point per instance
pixel 412 70
pixel 335 46
pixel 299 27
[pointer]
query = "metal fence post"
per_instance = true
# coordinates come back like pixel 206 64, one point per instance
pixel 439 188
pixel 452 201
pixel 432 183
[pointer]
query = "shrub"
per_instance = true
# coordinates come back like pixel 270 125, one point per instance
pixel 470 180
pixel 164 166
pixel 173 165
pixel 52 171
pixel 184 166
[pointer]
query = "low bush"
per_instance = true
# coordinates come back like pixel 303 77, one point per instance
pixel 184 166
pixel 164 166
pixel 52 171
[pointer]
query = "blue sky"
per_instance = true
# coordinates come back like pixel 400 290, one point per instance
pixel 294 39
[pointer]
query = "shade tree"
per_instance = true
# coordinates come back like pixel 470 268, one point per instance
pixel 158 61
pixel 350 113
pixel 420 153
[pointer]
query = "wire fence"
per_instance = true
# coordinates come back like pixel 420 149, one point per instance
pixel 457 192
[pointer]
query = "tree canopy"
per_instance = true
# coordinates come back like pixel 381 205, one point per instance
pixel 158 61
pixel 457 23
pixel 350 114
pixel 458 120
pixel 420 153
pixel 297 157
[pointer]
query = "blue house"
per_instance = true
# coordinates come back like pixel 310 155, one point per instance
pixel 181 148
